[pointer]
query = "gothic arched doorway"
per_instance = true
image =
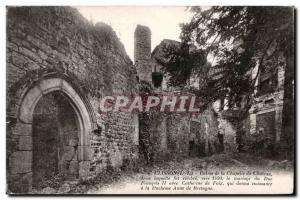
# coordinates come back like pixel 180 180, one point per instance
pixel 54 124
pixel 55 130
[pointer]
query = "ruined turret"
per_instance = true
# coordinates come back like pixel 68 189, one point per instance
pixel 142 53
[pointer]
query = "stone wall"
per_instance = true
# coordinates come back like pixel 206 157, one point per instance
pixel 176 136
pixel 228 130
pixel 265 115
pixel 205 133
pixel 164 136
pixel 56 49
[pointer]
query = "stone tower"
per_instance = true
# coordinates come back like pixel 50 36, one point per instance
pixel 142 52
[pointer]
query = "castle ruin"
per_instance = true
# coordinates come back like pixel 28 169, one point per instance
pixel 59 66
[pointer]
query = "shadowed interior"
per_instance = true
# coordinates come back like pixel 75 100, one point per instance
pixel 55 140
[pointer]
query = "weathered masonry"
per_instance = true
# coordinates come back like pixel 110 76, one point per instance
pixel 58 67
pixel 266 113
pixel 167 136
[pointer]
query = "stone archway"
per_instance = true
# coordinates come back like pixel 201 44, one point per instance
pixel 20 161
pixel 55 131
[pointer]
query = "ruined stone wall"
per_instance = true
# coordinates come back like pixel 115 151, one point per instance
pixel 159 136
pixel 228 130
pixel 57 42
pixel 165 136
pixel 176 136
pixel 178 130
pixel 265 116
pixel 204 133
pixel 173 136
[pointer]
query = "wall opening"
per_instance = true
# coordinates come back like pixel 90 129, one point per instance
pixel 55 140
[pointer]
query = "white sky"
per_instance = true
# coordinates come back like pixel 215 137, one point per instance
pixel 163 21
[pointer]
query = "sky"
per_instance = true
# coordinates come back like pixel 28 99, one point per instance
pixel 163 22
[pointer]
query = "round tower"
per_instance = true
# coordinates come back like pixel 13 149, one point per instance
pixel 142 53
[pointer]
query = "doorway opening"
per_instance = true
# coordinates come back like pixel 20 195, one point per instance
pixel 55 140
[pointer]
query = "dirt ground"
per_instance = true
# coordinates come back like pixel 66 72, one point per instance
pixel 130 182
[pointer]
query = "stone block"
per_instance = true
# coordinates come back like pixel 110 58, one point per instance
pixel 64 188
pixel 48 190
pixel 28 104
pixel 25 143
pixel 30 54
pixel 19 60
pixel 54 83
pixel 12 46
pixel 21 162
pixel 22 129
pixel 19 183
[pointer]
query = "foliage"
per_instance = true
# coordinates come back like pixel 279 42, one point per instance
pixel 236 39
pixel 181 62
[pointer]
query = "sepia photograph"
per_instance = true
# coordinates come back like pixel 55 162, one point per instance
pixel 150 100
